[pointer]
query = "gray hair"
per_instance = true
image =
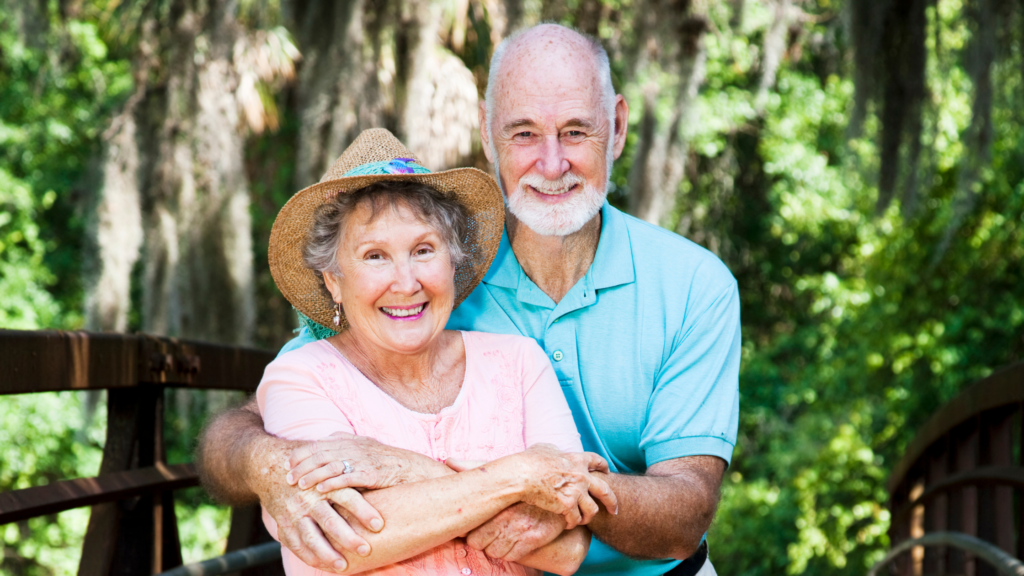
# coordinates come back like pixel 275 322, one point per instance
pixel 604 73
pixel 439 211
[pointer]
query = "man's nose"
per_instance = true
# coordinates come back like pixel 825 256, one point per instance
pixel 405 279
pixel 552 162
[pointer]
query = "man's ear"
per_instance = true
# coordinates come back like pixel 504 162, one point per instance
pixel 485 137
pixel 621 124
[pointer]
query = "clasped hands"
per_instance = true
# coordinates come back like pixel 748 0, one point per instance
pixel 559 491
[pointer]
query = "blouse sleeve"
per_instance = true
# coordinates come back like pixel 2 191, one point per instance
pixel 293 402
pixel 546 414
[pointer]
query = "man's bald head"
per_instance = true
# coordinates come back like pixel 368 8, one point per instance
pixel 549 49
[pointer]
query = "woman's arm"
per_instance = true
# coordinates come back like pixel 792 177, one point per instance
pixel 422 515
pixel 542 540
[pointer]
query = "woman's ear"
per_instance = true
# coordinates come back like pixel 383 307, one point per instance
pixel 333 283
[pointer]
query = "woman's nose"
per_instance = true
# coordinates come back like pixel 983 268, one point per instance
pixel 552 162
pixel 405 279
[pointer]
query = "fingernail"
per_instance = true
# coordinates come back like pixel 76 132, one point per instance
pixel 363 550
pixel 302 483
pixel 340 565
pixel 287 465
pixel 289 478
pixel 321 488
pixel 376 524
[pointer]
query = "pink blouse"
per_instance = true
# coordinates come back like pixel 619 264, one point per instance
pixel 510 399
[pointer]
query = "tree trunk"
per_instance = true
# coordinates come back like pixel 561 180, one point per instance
pixel 439 116
pixel 980 57
pixel 173 163
pixel 115 229
pixel 774 48
pixel 673 46
pixel 198 257
pixel 338 93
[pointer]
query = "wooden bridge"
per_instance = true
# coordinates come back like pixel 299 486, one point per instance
pixel 132 529
pixel 957 496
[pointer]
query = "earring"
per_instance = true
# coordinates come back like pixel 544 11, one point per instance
pixel 337 313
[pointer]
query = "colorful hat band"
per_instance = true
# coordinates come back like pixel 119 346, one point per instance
pixel 396 166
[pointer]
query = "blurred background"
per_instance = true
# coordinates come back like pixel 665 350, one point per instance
pixel 858 165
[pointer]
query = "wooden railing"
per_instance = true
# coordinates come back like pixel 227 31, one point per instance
pixel 132 529
pixel 963 474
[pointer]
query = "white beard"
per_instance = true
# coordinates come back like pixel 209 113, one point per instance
pixel 559 219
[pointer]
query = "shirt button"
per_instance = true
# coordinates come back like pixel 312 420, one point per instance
pixel 467 571
pixel 461 553
pixel 443 455
pixel 557 356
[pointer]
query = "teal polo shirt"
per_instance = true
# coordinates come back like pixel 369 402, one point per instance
pixel 646 347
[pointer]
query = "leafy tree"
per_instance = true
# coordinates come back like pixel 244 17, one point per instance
pixel 858 165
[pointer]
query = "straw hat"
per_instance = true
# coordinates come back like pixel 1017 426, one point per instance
pixel 374 156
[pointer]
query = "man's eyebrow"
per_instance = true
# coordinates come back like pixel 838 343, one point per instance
pixel 571 123
pixel 517 124
pixel 578 123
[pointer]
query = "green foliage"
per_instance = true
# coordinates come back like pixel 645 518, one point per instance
pixel 60 85
pixel 202 525
pixel 857 326
pixel 23 277
pixel 47 437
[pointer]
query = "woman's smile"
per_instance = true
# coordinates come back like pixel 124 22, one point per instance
pixel 404 313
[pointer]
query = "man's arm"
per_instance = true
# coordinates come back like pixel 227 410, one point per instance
pixel 662 514
pixel 239 464
pixel 674 503
pixel 690 432
pixel 229 445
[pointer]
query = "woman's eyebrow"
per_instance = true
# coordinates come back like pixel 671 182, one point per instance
pixel 385 239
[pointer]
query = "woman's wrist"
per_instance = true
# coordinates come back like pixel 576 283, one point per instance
pixel 514 472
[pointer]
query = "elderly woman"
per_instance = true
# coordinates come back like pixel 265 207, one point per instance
pixel 383 250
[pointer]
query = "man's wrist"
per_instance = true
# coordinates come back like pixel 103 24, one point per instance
pixel 267 463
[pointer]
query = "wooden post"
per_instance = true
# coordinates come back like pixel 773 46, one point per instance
pixel 963 506
pixel 899 531
pixel 1020 494
pixel 138 535
pixel 118 451
pixel 995 503
pixel 247 530
pixel 936 512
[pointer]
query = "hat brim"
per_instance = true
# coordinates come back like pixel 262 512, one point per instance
pixel 474 189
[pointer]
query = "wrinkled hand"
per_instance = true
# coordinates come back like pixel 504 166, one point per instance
pixel 309 526
pixel 374 465
pixel 561 482
pixel 515 532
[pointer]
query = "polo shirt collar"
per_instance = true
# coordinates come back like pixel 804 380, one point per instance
pixel 612 266
pixel 505 269
pixel 613 262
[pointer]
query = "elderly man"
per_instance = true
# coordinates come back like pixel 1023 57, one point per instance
pixel 641 326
